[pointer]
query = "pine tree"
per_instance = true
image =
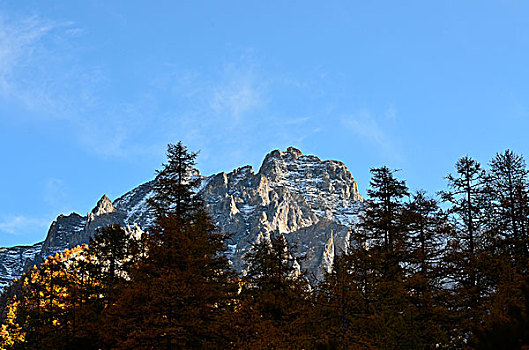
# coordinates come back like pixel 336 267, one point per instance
pixel 344 300
pixel 100 271
pixel 363 300
pixel 181 290
pixel 428 229
pixel 383 231
pixel 505 262
pixel 466 197
pixel 382 227
pixel 111 247
pixel 174 186
pixel 383 217
pixel 467 243
pixel 274 298
pixel 509 196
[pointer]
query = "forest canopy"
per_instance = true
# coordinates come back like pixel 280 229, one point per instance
pixel 422 271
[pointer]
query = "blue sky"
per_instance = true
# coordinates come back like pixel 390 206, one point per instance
pixel 91 92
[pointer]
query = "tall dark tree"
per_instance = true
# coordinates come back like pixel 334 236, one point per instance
pixel 382 234
pixel 274 298
pixel 174 187
pixel 383 216
pixel 112 250
pixel 466 197
pixel 344 301
pixel 509 196
pixel 179 293
pixel 363 300
pixel 467 254
pixel 505 249
pixel 428 229
pixel 383 224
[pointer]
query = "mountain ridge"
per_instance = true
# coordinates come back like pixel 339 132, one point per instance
pixel 313 203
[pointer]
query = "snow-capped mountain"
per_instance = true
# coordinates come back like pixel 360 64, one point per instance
pixel 313 203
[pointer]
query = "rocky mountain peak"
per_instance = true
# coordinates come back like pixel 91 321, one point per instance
pixel 294 152
pixel 278 156
pixel 103 206
pixel 313 203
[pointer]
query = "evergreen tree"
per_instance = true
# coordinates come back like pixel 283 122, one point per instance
pixel 344 300
pixel 274 298
pixel 467 243
pixel 174 187
pixel 505 265
pixel 383 218
pixel 428 229
pixel 383 234
pixel 179 293
pixel 363 299
pixel 383 226
pixel 467 199
pixel 509 195
pixel 112 249
pixel 105 267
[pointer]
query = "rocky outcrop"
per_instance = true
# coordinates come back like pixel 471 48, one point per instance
pixel 15 260
pixel 103 206
pixel 307 200
pixel 102 215
pixel 60 233
pixel 313 203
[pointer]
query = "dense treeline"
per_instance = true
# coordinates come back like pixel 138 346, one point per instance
pixel 417 274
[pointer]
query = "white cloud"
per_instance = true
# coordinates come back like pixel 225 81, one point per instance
pixel 18 224
pixel 18 42
pixel 39 68
pixel 236 97
pixel 365 125
pixel 105 139
pixel 236 90
pixel 201 109
pixel 41 72
pixel 296 121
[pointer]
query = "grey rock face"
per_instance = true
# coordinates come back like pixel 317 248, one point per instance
pixel 60 233
pixel 133 205
pixel 102 215
pixel 103 206
pixel 313 203
pixel 15 260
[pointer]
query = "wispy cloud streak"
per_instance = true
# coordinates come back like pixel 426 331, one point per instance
pixel 18 43
pixel 374 130
pixel 18 224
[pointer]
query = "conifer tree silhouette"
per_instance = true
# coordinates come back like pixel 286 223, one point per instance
pixel 179 293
